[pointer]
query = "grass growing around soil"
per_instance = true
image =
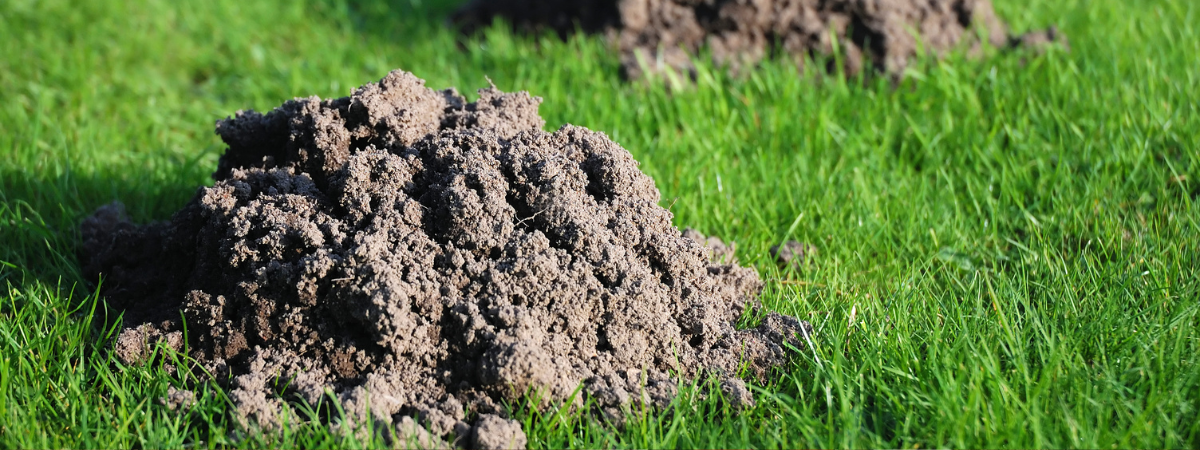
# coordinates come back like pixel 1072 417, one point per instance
pixel 1008 247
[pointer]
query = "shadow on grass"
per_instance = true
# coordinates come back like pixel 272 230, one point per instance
pixel 40 217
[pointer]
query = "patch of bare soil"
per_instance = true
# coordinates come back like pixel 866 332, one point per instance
pixel 656 35
pixel 432 258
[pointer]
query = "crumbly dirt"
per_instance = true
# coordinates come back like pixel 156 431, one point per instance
pixel 427 256
pixel 178 399
pixel 719 251
pixel 657 35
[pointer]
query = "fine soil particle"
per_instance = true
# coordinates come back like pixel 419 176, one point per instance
pixel 657 35
pixel 427 256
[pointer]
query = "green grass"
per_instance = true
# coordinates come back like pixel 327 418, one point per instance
pixel 1008 247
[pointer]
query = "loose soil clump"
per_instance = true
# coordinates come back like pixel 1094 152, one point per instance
pixel 433 258
pixel 657 35
pixel 792 253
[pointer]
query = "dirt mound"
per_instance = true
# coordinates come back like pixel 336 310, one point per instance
pixel 654 35
pixel 562 17
pixel 427 256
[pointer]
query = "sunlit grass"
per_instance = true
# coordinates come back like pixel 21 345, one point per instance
pixel 1007 247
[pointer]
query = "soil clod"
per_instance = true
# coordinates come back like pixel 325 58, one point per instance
pixel 737 394
pixel 792 253
pixel 719 252
pixel 178 399
pixel 493 432
pixel 418 256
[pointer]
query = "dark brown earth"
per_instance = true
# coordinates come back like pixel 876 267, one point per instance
pixel 430 256
pixel 656 35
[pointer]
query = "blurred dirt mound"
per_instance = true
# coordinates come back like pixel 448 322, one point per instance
pixel 655 35
pixel 425 255
pixel 561 17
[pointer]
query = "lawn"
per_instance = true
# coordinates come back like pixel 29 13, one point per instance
pixel 1009 247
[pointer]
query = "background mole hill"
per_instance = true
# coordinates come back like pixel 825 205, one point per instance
pixel 429 256
pixel 655 35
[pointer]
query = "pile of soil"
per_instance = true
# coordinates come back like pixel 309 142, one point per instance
pixel 429 256
pixel 655 35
